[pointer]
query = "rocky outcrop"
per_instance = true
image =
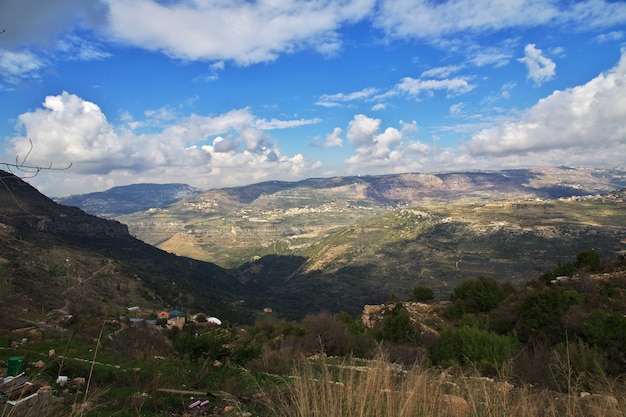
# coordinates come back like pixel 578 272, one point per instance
pixel 426 316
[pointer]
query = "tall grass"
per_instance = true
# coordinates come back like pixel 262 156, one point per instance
pixel 381 389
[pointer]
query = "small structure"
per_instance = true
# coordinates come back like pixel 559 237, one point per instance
pixel 20 397
pixel 176 322
pixel 214 320
pixel 164 315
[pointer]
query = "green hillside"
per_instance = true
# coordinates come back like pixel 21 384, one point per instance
pixel 384 257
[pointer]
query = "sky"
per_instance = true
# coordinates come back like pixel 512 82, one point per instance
pixel 103 93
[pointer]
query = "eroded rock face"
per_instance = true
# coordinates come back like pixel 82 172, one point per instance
pixel 107 228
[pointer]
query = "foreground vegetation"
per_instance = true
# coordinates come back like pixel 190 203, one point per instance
pixel 554 347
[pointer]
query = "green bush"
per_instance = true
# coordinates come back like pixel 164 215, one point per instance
pixel 607 332
pixel 423 294
pixel 396 327
pixel 479 295
pixel 472 346
pixel 356 326
pixel 541 313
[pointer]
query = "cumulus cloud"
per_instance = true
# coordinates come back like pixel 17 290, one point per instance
pixel 245 32
pixel 334 139
pixel 392 150
pixel 584 124
pixel 540 68
pixel 69 129
pixel 226 149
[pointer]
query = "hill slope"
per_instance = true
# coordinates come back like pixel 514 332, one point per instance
pixel 383 258
pixel 236 225
pixel 56 257
pixel 321 244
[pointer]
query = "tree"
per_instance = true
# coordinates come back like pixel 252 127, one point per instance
pixel 423 294
pixel 396 326
pixel 479 295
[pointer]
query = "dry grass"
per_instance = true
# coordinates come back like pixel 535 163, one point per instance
pixel 381 389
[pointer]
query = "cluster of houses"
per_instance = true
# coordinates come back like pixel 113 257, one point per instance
pixel 173 318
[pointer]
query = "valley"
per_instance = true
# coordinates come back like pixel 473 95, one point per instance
pixel 313 273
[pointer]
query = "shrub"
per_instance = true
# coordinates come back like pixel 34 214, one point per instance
pixel 324 333
pixel 541 313
pixel 356 326
pixel 423 294
pixel 608 333
pixel 588 260
pixel 396 327
pixel 472 346
pixel 479 295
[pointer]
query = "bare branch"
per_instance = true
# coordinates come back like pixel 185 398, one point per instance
pixel 23 170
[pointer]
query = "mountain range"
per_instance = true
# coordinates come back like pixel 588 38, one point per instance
pixel 302 247
pixel 128 199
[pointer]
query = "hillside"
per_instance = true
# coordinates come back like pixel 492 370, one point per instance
pixel 383 258
pixel 359 240
pixel 58 258
pixel 347 241
pixel 235 225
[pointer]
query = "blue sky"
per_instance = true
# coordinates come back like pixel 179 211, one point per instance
pixel 223 93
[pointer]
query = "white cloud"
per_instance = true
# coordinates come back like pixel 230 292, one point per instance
pixel 614 36
pixel 228 149
pixel 379 107
pixel 423 19
pixel 245 32
pixel 391 150
pixel 283 124
pixel 68 129
pixel 441 72
pixel 335 100
pixel 19 65
pixel 362 129
pixel 490 56
pixel 456 110
pixel 75 48
pixel 415 87
pixel 334 139
pixel 585 124
pixel 34 31
pixel 540 68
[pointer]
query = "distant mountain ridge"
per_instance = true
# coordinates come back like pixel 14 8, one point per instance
pixel 410 188
pixel 391 189
pixel 128 199
pixel 232 225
